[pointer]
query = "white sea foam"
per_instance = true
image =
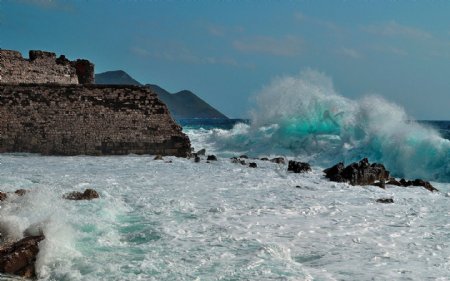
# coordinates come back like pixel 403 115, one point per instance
pixel 221 221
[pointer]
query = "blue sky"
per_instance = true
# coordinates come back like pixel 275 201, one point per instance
pixel 226 51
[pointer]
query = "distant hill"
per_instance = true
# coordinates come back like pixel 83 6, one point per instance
pixel 182 105
pixel 117 77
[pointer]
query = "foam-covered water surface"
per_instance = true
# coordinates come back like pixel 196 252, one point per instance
pixel 220 221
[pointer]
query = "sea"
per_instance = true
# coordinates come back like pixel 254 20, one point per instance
pixel 175 219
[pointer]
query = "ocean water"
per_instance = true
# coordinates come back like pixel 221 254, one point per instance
pixel 180 220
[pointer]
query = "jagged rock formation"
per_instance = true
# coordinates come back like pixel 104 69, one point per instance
pixel 18 258
pixel 63 113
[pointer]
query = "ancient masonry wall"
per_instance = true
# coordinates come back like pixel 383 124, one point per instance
pixel 87 119
pixel 43 67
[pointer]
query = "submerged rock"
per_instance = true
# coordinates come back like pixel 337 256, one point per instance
pixel 158 157
pixel 201 152
pixel 298 167
pixel 278 160
pixel 361 173
pixel 385 200
pixel 196 159
pixel 211 158
pixel 252 165
pixel 88 194
pixel 19 258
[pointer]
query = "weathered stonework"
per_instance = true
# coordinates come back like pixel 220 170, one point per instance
pixel 57 119
pixel 43 67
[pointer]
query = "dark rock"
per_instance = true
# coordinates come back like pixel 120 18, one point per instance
pixel 3 196
pixel 252 165
pixel 243 156
pixel 425 184
pixel 158 157
pixel 264 159
pixel 393 181
pixel 405 183
pixel 196 159
pixel 385 200
pixel 19 258
pixel 20 192
pixel 361 173
pixel 88 194
pixel 278 160
pixel 201 152
pixel 211 158
pixel 335 173
pixel 298 167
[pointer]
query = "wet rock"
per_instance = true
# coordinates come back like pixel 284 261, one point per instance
pixel 158 157
pixel 425 184
pixel 211 158
pixel 252 165
pixel 196 159
pixel 201 152
pixel 19 258
pixel 88 194
pixel 238 161
pixel 298 167
pixel 393 181
pixel 20 192
pixel 278 160
pixel 243 156
pixel 405 183
pixel 385 200
pixel 3 196
pixel 358 173
pixel 264 159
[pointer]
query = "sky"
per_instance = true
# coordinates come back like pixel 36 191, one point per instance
pixel 227 51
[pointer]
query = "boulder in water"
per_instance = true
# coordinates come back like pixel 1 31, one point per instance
pixel 158 157
pixel 361 173
pixel 201 152
pixel 252 165
pixel 19 258
pixel 298 167
pixel 88 194
pixel 278 160
pixel 425 184
pixel 3 196
pixel 385 200
pixel 211 158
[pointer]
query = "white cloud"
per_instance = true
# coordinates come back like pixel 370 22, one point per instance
pixel 394 29
pixel 286 46
pixel 389 50
pixel 351 53
pixel 175 52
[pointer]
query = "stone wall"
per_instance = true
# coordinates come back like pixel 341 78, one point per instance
pixel 43 67
pixel 87 119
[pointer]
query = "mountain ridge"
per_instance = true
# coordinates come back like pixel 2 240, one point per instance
pixel 183 104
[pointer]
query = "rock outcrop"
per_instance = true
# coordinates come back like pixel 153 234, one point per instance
pixel 357 173
pixel 19 258
pixel 298 167
pixel 88 194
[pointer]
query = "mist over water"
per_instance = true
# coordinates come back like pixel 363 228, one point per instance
pixel 305 117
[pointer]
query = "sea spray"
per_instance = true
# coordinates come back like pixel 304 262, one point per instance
pixel 304 117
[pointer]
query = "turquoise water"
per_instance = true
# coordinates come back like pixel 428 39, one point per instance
pixel 180 220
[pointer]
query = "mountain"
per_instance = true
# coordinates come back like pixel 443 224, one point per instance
pixel 182 105
pixel 117 77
